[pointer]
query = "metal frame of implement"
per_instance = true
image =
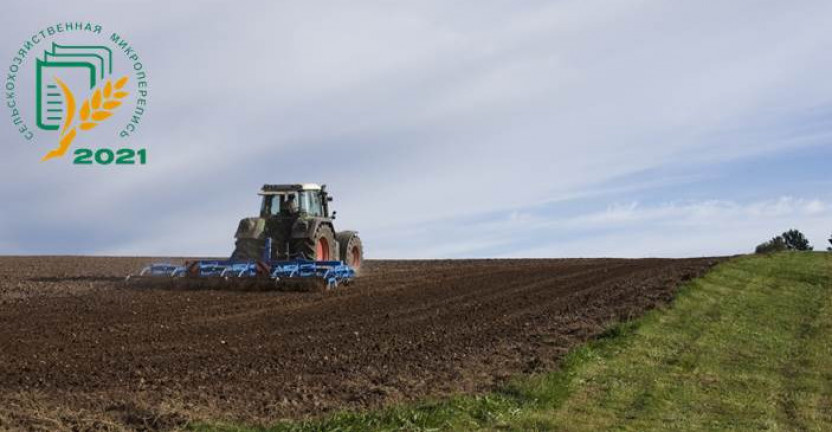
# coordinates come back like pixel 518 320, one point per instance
pixel 326 274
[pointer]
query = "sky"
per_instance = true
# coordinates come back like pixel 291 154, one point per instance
pixel 573 128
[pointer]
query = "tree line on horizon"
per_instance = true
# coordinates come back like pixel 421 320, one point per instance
pixel 791 240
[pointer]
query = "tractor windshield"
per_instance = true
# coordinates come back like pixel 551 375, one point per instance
pixel 272 204
pixel 308 202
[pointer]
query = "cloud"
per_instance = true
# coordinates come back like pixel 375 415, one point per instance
pixel 704 212
pixel 427 114
pixel 676 228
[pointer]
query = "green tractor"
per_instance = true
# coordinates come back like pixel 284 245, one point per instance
pixel 297 219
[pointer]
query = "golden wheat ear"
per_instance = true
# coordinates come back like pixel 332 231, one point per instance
pixel 101 104
pixel 94 110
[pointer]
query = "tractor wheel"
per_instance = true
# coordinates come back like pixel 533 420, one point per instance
pixel 352 252
pixel 247 249
pixel 320 247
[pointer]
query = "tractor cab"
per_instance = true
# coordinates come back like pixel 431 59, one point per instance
pixel 309 200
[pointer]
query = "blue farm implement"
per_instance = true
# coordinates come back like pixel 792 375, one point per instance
pixel 263 274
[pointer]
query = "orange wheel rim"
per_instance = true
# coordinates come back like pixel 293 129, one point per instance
pixel 356 257
pixel 322 250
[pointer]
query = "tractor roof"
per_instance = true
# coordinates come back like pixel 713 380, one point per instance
pixel 280 188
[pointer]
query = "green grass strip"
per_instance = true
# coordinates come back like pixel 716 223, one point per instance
pixel 748 347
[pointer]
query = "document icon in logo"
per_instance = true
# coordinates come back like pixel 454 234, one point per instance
pixel 81 65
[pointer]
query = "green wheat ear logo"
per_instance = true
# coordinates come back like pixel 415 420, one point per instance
pixel 55 102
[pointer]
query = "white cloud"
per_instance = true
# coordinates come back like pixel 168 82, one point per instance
pixel 670 229
pixel 702 212
pixel 707 227
pixel 426 111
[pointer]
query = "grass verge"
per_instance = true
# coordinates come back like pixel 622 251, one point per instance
pixel 746 347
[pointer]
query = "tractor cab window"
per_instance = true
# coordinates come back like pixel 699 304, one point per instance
pixel 267 209
pixel 272 204
pixel 287 204
pixel 310 203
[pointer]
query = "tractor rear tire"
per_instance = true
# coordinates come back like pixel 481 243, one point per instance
pixel 320 247
pixel 247 249
pixel 352 251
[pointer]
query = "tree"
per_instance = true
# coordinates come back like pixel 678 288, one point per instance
pixel 792 240
pixel 795 240
pixel 776 244
pixel 830 242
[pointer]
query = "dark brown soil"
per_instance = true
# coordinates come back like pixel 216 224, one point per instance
pixel 79 349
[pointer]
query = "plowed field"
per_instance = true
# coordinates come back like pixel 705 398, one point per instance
pixel 79 348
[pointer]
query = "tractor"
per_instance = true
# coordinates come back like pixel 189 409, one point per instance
pixel 291 246
pixel 297 220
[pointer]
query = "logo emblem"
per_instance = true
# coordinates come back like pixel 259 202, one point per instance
pixel 82 85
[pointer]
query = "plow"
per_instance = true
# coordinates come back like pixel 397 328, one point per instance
pixel 291 246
